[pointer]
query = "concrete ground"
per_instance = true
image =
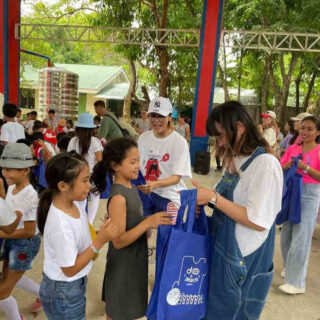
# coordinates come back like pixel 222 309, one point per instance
pixel 279 306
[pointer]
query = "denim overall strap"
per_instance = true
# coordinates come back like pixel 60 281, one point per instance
pixel 256 153
pixel 233 292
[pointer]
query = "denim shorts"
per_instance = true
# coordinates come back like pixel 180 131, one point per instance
pixel 62 300
pixel 21 252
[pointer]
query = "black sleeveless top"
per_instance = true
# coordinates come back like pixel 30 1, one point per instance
pixel 125 288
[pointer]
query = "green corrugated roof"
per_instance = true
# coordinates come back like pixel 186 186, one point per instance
pixel 117 91
pixel 91 77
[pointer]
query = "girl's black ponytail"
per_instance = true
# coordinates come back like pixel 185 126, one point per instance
pixel 114 152
pixel 99 176
pixel 45 201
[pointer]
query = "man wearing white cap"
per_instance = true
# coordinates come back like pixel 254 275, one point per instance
pixel 268 128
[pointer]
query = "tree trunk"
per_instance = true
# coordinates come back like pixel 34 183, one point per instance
pixel 310 88
pixel 281 94
pixel 298 81
pixel 317 107
pixel 286 84
pixel 164 73
pixel 240 75
pixel 224 83
pixel 274 86
pixel 264 89
pixel 131 92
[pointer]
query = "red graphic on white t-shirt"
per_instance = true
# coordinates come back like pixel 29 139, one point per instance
pixel 152 170
pixel 165 157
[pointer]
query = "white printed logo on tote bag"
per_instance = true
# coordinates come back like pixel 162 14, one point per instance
pixel 187 290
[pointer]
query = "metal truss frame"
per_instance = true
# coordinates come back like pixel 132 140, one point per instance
pixel 236 39
pixel 273 41
pixel 90 34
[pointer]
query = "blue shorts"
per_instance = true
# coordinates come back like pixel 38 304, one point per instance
pixel 62 300
pixel 21 252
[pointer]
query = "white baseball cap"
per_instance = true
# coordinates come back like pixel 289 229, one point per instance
pixel 301 116
pixel 161 106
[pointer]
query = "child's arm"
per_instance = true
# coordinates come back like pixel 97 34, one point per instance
pixel 13 226
pixel 27 232
pixel 117 210
pixel 2 190
pixel 107 232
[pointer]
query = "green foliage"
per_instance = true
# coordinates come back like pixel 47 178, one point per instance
pixel 275 15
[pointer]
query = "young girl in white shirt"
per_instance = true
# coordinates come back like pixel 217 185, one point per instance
pixel 90 148
pixel 22 245
pixel 68 248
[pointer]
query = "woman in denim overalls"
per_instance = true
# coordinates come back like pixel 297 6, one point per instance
pixel 246 200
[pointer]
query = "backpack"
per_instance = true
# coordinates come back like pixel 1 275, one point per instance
pixel 125 132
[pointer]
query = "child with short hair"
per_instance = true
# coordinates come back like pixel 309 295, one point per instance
pixel 12 130
pixel 125 287
pixel 68 248
pixel 22 245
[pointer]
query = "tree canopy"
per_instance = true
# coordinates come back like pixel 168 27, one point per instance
pixel 276 77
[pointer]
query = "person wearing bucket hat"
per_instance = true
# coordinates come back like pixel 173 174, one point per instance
pixel 22 246
pixel 90 147
pixel 268 128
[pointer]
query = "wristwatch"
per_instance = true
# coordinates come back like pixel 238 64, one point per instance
pixel 96 251
pixel 213 201
pixel 306 169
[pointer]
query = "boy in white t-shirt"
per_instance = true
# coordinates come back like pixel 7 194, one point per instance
pixel 12 130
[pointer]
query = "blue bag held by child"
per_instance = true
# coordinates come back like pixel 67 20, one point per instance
pixel 181 283
pixel 291 199
pixel 146 199
pixel 105 193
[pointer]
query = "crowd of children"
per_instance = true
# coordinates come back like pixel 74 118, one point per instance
pixel 51 168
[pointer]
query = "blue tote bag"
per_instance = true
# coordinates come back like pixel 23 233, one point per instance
pixel 180 290
pixel 105 193
pixel 291 199
pixel 146 199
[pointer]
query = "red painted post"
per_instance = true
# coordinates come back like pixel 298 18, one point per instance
pixel 208 55
pixel 9 47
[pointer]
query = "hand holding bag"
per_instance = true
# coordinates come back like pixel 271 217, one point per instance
pixel 180 290
pixel 291 198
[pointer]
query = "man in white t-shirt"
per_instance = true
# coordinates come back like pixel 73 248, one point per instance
pixel 12 130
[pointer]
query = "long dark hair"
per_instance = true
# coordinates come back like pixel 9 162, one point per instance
pixel 228 115
pixel 65 166
pixel 291 126
pixel 84 136
pixel 114 151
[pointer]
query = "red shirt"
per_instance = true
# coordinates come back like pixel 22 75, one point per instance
pixel 50 136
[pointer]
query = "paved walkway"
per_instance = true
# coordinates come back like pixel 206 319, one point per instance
pixel 278 307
